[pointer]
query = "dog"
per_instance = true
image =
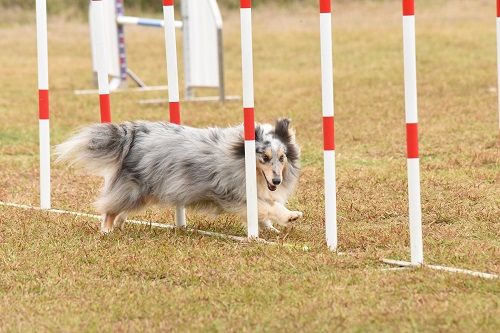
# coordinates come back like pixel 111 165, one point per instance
pixel 162 163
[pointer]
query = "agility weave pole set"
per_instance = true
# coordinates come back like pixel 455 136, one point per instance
pixel 413 162
pixel 249 125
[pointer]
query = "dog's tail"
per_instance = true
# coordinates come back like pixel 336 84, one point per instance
pixel 98 148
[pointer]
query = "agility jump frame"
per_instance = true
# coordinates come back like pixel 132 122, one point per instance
pixel 201 24
pixel 416 248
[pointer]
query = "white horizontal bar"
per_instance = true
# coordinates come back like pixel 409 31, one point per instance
pixel 120 90
pixel 442 268
pixel 132 20
pixel 191 99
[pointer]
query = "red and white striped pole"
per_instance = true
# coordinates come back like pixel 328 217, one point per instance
pixel 173 82
pixel 98 32
pixel 410 79
pixel 43 102
pixel 498 60
pixel 325 19
pixel 249 121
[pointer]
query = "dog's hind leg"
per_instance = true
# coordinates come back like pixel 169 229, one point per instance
pixel 115 202
pixel 107 223
pixel 120 220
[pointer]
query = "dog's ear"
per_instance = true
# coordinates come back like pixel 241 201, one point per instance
pixel 286 134
pixel 282 130
pixel 259 133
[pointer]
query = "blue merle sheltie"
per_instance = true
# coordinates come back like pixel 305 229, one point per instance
pixel 161 163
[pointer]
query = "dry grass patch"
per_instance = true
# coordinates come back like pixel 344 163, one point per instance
pixel 59 274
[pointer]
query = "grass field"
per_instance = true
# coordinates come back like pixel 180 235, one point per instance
pixel 57 273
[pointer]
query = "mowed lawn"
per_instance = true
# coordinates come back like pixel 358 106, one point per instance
pixel 57 273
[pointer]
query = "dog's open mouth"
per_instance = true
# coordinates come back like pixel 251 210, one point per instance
pixel 270 186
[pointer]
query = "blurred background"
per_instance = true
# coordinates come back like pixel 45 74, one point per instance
pixel 81 5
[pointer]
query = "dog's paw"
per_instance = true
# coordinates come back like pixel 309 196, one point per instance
pixel 269 226
pixel 106 231
pixel 273 229
pixel 294 216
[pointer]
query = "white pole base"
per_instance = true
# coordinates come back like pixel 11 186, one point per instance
pixel 330 200
pixel 251 190
pixel 180 217
pixel 415 212
pixel 45 197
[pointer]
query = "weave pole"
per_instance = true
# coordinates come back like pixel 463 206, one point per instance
pixel 325 19
pixel 498 59
pixel 98 31
pixel 173 82
pixel 43 102
pixel 411 110
pixel 249 118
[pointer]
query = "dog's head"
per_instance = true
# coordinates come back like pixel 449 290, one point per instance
pixel 276 150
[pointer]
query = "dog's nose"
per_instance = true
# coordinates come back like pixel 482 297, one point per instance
pixel 276 181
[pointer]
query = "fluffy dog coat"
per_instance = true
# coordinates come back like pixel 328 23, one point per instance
pixel 161 163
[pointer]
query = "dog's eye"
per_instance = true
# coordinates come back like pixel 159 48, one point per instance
pixel 282 158
pixel 266 158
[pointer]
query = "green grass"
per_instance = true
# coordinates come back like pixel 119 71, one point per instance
pixel 59 274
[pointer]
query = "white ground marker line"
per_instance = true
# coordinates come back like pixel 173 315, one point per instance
pixel 159 225
pixel 442 268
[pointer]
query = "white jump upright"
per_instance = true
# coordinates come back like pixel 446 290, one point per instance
pixel 43 102
pixel 249 118
pixel 410 79
pixel 498 60
pixel 98 33
pixel 325 18
pixel 173 82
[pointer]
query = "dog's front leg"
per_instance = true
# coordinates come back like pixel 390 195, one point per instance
pixel 120 220
pixel 267 224
pixel 282 215
pixel 264 208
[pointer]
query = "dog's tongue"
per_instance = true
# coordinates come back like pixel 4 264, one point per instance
pixel 271 187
